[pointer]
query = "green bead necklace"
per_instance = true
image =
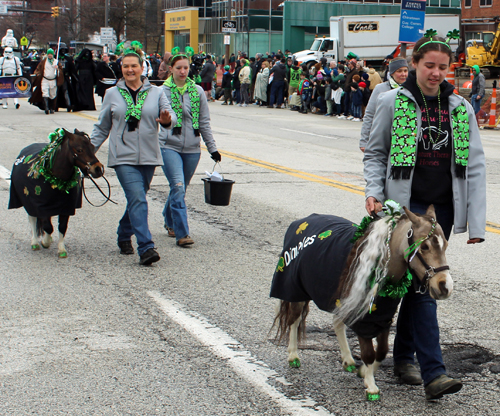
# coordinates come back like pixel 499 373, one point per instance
pixel 433 141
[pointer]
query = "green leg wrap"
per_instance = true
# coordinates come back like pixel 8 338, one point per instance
pixel 295 363
pixel 372 397
pixel 351 368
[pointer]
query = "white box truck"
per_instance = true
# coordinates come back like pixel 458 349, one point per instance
pixel 371 38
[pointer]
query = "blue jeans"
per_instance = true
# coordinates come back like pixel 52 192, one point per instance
pixel 417 329
pixel 135 181
pixel 356 111
pixel 476 104
pixel 277 88
pixel 179 168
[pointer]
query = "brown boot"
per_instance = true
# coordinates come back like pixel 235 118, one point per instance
pixel 185 241
pixel 407 373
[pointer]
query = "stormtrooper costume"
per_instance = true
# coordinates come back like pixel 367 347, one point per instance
pixel 10 65
pixel 9 39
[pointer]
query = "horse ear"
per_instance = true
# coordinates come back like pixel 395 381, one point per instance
pixel 413 218
pixel 431 211
pixel 76 131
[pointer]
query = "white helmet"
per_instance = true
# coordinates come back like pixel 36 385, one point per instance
pixel 8 52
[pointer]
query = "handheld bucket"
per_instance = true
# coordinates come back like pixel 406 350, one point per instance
pixel 218 192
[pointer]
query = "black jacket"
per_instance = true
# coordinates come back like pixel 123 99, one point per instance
pixel 279 72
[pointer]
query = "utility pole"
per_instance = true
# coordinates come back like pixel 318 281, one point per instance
pixel 106 13
pixel 56 20
pixel 228 47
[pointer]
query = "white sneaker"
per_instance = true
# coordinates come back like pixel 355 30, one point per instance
pixel 282 105
pixel 240 105
pixel 342 117
pixel 245 105
pixel 355 119
pixel 350 118
pixel 4 106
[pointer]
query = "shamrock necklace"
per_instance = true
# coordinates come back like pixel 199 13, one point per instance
pixel 433 141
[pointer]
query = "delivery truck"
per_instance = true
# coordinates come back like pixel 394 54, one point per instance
pixel 371 38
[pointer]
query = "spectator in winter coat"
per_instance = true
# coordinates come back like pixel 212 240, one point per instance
pixel 356 102
pixel 347 86
pixel 374 78
pixel 236 82
pixel 226 85
pixel 477 92
pixel 244 77
pixel 278 72
pixel 163 72
pixel 207 75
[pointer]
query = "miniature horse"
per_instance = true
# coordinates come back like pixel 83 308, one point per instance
pixel 362 284
pixel 45 180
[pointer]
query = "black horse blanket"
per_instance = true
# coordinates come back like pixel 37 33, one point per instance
pixel 36 195
pixel 314 254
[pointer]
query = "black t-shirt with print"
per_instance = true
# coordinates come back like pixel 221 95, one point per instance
pixel 432 180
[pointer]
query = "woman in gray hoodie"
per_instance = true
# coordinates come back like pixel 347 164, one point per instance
pixel 129 117
pixel 180 146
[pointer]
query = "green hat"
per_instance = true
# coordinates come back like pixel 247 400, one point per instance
pixel 476 68
pixel 227 67
pixel 50 51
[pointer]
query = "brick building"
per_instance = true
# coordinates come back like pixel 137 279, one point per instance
pixel 479 16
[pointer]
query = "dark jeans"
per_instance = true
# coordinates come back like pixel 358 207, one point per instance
pixel 321 104
pixel 417 326
pixel 347 103
pixel 277 89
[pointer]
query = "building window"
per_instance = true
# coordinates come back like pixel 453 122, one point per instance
pixel 467 3
pixel 485 2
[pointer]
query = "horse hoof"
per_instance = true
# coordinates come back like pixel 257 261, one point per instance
pixel 63 254
pixel 372 397
pixel 48 243
pixel 295 363
pixel 351 369
pixel 35 247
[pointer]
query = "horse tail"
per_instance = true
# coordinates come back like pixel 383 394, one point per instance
pixel 39 227
pixel 286 314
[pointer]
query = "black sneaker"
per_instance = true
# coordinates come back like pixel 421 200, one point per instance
pixel 149 256
pixel 126 247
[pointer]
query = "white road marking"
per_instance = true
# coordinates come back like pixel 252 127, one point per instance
pixel 4 173
pixel 311 134
pixel 243 363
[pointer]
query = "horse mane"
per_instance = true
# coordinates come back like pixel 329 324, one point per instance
pixel 369 254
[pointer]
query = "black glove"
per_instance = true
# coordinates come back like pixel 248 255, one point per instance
pixel 216 156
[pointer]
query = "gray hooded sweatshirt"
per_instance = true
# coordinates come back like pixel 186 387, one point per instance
pixel 138 147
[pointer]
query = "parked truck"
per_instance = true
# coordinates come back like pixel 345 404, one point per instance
pixel 371 38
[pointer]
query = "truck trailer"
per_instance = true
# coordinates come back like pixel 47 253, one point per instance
pixel 371 37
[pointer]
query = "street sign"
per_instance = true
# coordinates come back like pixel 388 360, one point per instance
pixel 3 9
pixel 227 39
pixel 228 26
pixel 412 20
pixel 24 41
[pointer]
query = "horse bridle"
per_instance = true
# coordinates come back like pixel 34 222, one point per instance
pixel 86 174
pixel 430 271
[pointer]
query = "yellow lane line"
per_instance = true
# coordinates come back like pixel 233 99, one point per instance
pixel 86 116
pixel 355 189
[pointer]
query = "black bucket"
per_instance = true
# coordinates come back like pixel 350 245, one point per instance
pixel 218 192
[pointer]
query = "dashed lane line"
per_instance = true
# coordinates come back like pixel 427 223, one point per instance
pixel 255 372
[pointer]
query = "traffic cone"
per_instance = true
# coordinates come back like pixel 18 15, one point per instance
pixel 450 77
pixel 493 110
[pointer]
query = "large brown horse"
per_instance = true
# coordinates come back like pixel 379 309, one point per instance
pixel 361 283
pixel 45 180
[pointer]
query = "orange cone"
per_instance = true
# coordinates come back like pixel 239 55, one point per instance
pixel 493 110
pixel 450 77
pixel 468 84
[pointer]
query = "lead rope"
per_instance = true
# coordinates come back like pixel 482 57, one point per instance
pixel 108 197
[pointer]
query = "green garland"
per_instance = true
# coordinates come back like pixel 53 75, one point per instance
pixel 43 163
pixel 177 104
pixel 396 290
pixel 133 110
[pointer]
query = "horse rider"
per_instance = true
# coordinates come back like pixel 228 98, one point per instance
pixel 10 66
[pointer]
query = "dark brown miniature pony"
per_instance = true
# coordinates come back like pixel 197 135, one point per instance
pixel 371 271
pixel 45 180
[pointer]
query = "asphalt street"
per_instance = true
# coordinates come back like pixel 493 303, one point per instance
pixel 97 334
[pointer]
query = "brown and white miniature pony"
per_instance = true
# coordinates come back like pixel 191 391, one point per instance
pixel 55 189
pixel 356 293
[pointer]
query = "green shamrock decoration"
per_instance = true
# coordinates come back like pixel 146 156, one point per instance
pixel 430 33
